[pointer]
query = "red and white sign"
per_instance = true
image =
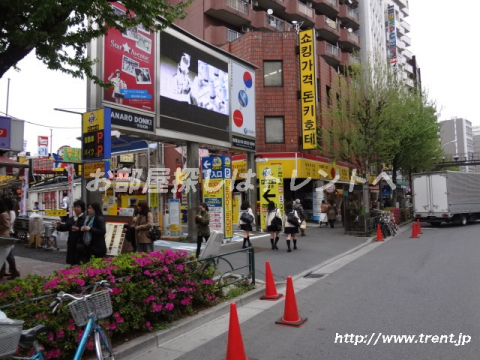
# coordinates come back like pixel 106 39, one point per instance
pixel 129 64
pixel 43 141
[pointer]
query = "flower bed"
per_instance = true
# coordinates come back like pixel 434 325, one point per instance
pixel 155 288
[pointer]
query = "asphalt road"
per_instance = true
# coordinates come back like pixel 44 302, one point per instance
pixel 405 286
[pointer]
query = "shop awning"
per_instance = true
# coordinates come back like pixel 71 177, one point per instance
pixel 6 162
pixel 126 144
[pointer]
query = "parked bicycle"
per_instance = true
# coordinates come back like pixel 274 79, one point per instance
pixel 386 222
pixel 85 310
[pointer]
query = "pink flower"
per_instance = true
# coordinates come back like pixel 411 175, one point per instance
pixel 179 267
pixel 149 327
pixel 90 345
pixel 112 326
pixel 170 277
pixel 71 327
pixel 185 302
pixel 169 306
pixel 171 296
pixel 60 334
pixel 51 337
pixel 119 320
pixel 80 282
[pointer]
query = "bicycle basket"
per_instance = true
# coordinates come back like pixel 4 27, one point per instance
pixel 10 331
pixel 98 303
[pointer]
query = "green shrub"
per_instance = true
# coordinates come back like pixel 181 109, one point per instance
pixel 150 289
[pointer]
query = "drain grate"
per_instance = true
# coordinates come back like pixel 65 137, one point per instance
pixel 314 276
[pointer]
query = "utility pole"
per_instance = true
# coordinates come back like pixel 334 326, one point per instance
pixel 8 96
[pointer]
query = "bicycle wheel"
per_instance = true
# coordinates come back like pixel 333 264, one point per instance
pixel 103 344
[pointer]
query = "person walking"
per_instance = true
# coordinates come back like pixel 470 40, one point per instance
pixel 5 227
pixel 75 246
pixel 274 224
pixel 203 226
pixel 291 230
pixel 332 214
pixel 143 224
pixel 297 205
pixel 246 224
pixel 94 231
pixel 323 213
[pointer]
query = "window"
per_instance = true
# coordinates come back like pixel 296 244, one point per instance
pixel 329 101
pixel 274 130
pixel 272 73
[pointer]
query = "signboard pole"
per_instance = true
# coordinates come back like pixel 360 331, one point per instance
pixel 23 202
pixel 192 197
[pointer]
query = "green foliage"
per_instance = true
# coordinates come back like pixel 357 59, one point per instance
pixel 238 289
pixel 153 289
pixel 59 31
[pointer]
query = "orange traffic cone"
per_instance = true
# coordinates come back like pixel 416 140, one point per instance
pixel 414 231
pixel 419 229
pixel 379 233
pixel 290 315
pixel 270 289
pixel 235 349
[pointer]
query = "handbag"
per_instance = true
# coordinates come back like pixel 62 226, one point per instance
pixel 154 233
pixel 303 225
pixel 292 219
pixel 246 217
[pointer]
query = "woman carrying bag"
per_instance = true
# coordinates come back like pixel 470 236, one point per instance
pixel 203 226
pixel 292 223
pixel 75 245
pixel 94 231
pixel 274 224
pixel 245 220
pixel 142 225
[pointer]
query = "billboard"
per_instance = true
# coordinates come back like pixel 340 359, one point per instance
pixel 194 89
pixel 392 37
pixel 243 106
pixel 129 64
pixel 5 133
pixel 96 135
pixel 308 91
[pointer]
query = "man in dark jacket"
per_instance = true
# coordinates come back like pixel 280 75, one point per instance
pixel 75 246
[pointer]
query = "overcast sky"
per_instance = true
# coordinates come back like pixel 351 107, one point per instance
pixel 445 45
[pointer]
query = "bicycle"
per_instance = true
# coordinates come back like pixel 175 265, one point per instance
pixel 85 310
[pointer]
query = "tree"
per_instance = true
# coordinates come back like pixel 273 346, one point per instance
pixel 356 121
pixel 60 30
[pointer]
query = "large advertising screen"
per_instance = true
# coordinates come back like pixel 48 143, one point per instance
pixel 194 90
pixel 129 64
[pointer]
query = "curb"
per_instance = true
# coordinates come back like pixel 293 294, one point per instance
pixel 131 348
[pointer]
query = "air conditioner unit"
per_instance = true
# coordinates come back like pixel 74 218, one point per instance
pixel 246 29
pixel 255 4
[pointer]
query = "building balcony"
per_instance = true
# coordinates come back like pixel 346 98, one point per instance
pixel 265 22
pixel 406 39
pixel 349 17
pixel 408 54
pixel 353 4
pixel 349 59
pixel 330 53
pixel 406 12
pixel 299 11
pixel 408 68
pixel 327 28
pixel 278 6
pixel 406 26
pixel 235 12
pixel 220 35
pixel 326 7
pixel 402 3
pixel 400 44
pixel 350 41
pixel 410 83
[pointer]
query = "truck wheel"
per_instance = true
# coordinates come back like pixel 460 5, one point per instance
pixel 463 220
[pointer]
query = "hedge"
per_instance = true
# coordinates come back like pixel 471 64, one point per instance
pixel 148 291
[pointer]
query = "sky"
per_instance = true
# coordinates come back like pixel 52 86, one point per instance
pixel 445 46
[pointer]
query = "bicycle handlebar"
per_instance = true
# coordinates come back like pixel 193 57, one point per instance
pixel 61 294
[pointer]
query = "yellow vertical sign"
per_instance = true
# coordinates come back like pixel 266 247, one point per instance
pixel 271 189
pixel 228 209
pixel 308 93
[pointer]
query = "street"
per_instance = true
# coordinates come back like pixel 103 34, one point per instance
pixel 427 287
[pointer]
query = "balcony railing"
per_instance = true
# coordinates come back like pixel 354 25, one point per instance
pixel 353 37
pixel 238 5
pixel 331 23
pixel 333 2
pixel 353 14
pixel 305 9
pixel 233 35
pixel 333 50
pixel 276 22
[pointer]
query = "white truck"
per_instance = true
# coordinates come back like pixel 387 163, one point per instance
pixel 446 196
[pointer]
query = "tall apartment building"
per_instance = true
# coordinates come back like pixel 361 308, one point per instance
pixel 384 33
pixel 264 33
pixel 457 139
